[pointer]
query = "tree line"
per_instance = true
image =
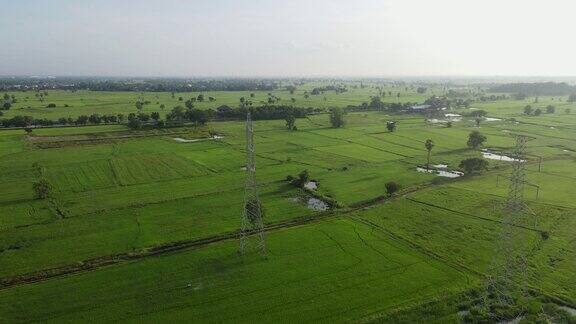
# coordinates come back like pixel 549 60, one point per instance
pixel 142 85
pixel 177 116
pixel 535 88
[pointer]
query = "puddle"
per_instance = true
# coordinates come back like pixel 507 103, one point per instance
pixel 442 121
pixel 570 310
pixel 453 117
pixel 440 166
pixel 311 202
pixel 513 321
pixel 492 156
pixel 463 313
pixel 317 204
pixel 183 140
pixel 489 119
pixel 441 173
pixel 552 127
pixel 312 185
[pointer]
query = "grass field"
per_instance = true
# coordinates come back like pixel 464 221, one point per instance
pixel 155 219
pixel 73 104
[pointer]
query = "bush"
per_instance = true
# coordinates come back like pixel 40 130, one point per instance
pixel 392 187
pixel 337 117
pixel 51 105
pixel 473 165
pixel 475 139
pixel 135 124
pixel 42 189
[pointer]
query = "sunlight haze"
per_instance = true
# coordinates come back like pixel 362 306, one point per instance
pixel 288 38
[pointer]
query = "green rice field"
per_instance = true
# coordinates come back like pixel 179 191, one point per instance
pixel 141 227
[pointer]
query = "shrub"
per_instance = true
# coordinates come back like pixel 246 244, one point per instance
pixel 392 187
pixel 473 165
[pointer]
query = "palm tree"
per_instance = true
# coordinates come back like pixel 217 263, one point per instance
pixel 429 145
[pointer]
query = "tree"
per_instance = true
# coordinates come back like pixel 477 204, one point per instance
pixel 42 188
pixel 550 109
pixel 197 116
pixel 6 105
pixel 28 130
pixel 478 113
pixel 429 145
pixel 189 104
pixel 473 165
pixel 391 126
pixel 520 96
pixel 567 111
pixel 336 117
pixel 475 139
pixel 162 106
pixel 449 124
pixel 477 121
pixel 95 119
pixel 51 105
pixel 177 114
pixel 528 110
pixel 139 105
pixel 290 121
pixel 135 124
pixel 572 97
pixel 82 120
pixel 537 112
pixel 376 103
pixel 200 97
pixel 155 115
pixel 302 179
pixel 392 187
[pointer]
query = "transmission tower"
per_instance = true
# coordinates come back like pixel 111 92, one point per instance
pixel 507 273
pixel 252 225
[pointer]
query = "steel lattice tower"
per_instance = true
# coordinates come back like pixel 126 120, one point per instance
pixel 252 224
pixel 507 274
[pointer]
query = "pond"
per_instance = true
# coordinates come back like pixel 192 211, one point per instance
pixel 311 185
pixel 317 204
pixel 311 203
pixel 493 156
pixel 441 173
pixel 183 140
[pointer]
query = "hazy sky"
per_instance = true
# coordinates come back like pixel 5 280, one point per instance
pixel 288 37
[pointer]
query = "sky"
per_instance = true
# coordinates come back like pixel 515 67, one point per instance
pixel 288 37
